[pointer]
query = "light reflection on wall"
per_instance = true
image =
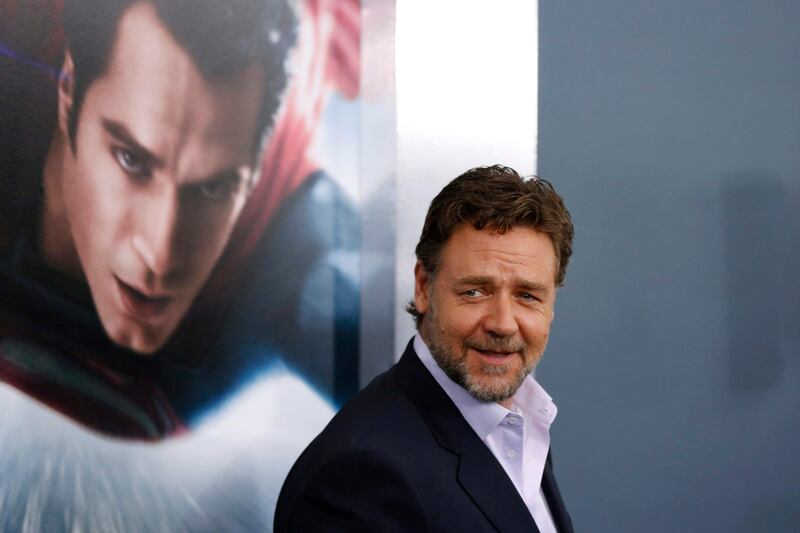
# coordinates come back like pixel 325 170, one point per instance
pixel 467 93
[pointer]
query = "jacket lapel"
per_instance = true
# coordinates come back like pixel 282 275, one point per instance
pixel 479 473
pixel 557 508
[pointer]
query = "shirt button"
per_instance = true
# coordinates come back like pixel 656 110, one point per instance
pixel 511 453
pixel 513 420
pixel 544 410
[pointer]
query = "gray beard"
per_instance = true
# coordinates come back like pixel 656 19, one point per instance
pixel 456 368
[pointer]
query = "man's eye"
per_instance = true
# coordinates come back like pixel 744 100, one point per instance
pixel 528 297
pixel 473 293
pixel 131 163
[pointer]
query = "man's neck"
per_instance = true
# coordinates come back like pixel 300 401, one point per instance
pixel 56 246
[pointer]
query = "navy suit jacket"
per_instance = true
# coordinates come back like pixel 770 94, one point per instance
pixel 400 457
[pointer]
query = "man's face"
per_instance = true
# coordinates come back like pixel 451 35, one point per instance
pixel 158 180
pixel 489 307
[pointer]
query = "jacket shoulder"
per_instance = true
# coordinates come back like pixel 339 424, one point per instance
pixel 373 420
pixel 365 464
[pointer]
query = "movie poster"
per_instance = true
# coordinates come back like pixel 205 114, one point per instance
pixel 179 256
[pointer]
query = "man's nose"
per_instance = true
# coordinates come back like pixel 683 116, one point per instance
pixel 156 237
pixel 501 320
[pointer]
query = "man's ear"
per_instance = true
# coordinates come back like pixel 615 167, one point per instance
pixel 66 93
pixel 422 286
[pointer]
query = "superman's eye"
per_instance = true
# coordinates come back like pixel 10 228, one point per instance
pixel 131 162
pixel 216 191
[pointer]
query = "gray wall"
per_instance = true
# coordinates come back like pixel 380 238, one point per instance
pixel 672 129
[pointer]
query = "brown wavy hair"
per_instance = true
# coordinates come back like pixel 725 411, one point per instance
pixel 497 198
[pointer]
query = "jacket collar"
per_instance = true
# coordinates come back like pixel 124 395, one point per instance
pixel 479 473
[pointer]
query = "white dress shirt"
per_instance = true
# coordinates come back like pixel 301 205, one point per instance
pixel 518 438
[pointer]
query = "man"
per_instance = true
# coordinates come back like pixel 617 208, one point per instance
pixel 122 201
pixel 455 437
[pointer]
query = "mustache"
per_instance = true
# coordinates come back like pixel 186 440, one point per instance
pixel 498 344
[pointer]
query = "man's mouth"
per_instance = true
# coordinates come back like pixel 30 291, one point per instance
pixel 494 357
pixel 497 353
pixel 140 305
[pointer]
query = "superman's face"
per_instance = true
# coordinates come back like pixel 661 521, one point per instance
pixel 158 178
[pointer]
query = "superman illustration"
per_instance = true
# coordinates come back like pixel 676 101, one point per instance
pixel 178 274
pixel 165 236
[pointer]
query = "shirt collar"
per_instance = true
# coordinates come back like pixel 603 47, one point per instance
pixel 483 417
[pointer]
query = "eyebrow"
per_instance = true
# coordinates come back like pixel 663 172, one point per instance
pixel 533 286
pixel 230 176
pixel 121 134
pixel 473 280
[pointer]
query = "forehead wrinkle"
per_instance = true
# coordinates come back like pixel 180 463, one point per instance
pixel 507 257
pixel 499 266
pixel 491 247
